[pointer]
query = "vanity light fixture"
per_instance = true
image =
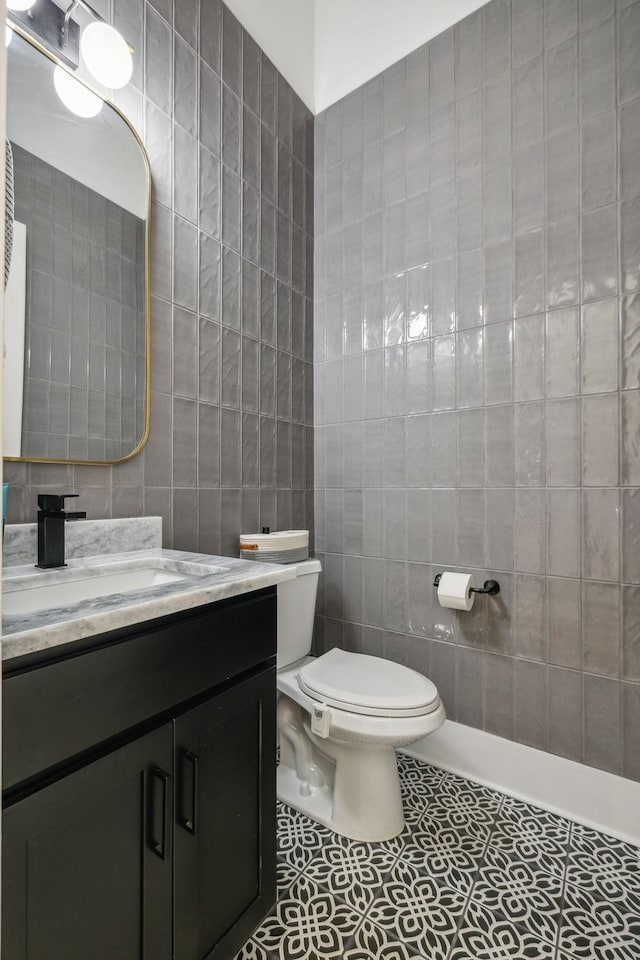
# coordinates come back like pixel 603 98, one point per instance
pixel 105 52
pixel 75 96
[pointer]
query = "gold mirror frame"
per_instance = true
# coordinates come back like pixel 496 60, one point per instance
pixel 19 31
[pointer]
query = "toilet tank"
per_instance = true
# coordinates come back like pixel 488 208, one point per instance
pixel 296 609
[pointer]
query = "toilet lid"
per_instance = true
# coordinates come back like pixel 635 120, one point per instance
pixel 368 685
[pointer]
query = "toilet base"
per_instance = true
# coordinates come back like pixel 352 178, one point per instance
pixel 318 805
pixel 364 803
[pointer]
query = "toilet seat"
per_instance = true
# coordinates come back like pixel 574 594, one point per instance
pixel 369 686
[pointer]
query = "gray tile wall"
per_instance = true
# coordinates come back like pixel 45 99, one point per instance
pixel 84 330
pixel 477 348
pixel 231 152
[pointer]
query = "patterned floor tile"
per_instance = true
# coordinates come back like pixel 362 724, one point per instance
pixel 485 935
pixel 520 891
pixel 415 808
pixel 597 929
pixel 299 838
pixel 471 796
pixel 307 924
pixel 420 786
pixel 372 943
pixel 447 852
pixel 473 876
pixel 446 812
pixel 603 865
pixel 532 836
pixel 534 822
pixel 419 912
pixel 418 774
pixel 550 858
pixel 286 873
pixel 252 951
pixel 354 872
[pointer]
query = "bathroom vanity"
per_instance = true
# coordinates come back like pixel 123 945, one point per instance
pixel 139 767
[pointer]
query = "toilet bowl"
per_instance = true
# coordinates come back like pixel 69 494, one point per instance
pixel 341 717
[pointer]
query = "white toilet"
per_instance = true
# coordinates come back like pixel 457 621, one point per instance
pixel 340 718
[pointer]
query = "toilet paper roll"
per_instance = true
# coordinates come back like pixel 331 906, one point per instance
pixel 453 591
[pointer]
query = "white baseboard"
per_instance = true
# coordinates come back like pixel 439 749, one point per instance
pixel 598 799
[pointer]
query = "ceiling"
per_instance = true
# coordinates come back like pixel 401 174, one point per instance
pixel 327 48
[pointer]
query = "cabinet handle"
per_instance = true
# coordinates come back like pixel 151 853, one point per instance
pixel 159 847
pixel 190 820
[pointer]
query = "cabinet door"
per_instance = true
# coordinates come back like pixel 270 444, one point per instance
pixel 225 831
pixel 86 861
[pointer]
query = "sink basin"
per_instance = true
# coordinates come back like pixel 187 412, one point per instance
pixel 44 590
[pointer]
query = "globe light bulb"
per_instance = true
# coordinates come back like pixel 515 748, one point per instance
pixel 76 97
pixel 107 55
pixel 20 5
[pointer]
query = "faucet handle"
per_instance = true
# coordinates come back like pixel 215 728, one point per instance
pixel 54 501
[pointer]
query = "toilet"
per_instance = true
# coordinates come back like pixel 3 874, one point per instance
pixel 341 717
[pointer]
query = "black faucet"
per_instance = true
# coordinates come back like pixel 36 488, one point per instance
pixel 51 521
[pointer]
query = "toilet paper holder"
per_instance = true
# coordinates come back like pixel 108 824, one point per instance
pixel 490 587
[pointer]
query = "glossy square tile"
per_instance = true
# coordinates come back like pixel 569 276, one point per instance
pixel 602 741
pixel 528 100
pixel 562 448
pixel 561 79
pixel 599 149
pixel 529 444
pixel 528 184
pixel 529 358
pixel 600 346
pixel 530 531
pixel 629 142
pixel 469 368
pixel 630 412
pixel 499 529
pixel 498 363
pixel 496 39
pixel 563 264
pixel 600 432
pixel 599 253
pixel 562 174
pixel 600 628
pixel 630 244
pixel 529 273
pixel 563 533
pixel 629 77
pixel 562 353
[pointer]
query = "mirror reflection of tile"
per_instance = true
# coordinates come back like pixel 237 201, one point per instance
pixel 84 324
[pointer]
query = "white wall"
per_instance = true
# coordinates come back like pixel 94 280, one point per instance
pixel 284 30
pixel 357 39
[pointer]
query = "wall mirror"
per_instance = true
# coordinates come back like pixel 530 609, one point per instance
pixel 76 328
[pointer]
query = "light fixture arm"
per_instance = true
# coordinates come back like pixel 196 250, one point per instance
pixel 65 24
pixel 73 6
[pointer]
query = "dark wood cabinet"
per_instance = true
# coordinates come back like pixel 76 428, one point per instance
pixel 80 876
pixel 225 828
pixel 159 842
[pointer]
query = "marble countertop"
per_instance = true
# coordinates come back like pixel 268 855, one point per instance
pixel 30 633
